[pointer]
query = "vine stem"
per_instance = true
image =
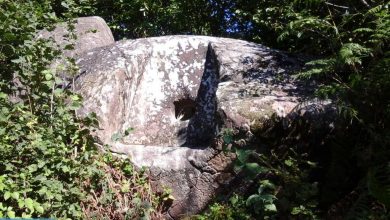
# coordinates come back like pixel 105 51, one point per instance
pixel 52 103
pixel 334 25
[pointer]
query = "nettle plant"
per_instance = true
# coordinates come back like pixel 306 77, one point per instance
pixel 44 147
pixel 50 165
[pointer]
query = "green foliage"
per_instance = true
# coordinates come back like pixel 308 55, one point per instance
pixel 145 18
pixel 349 43
pixel 234 209
pixel 263 201
pixel 119 192
pixel 379 183
pixel 119 135
pixel 284 189
pixel 50 166
pixel 252 169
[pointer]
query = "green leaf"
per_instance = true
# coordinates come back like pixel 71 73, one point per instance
pixel 9 167
pixel 25 215
pixel 65 169
pixel 75 97
pixel 58 197
pixel 3 95
pixel 267 184
pixel 296 210
pixel 125 187
pixel 242 155
pixel 128 131
pixel 227 139
pixel 11 214
pixel 69 47
pixel 29 203
pixel 20 203
pixel 7 195
pixel 270 207
pixel 65 4
pixel 312 164
pixel 48 76
pixel 2 186
pixel 268 198
pixel 42 191
pixel 288 163
pixel 253 200
pixel 38 207
pixel 32 168
pixel 15 195
pixel 116 137
pixel 255 168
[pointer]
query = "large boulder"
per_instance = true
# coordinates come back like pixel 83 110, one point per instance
pixel 177 93
pixel 91 32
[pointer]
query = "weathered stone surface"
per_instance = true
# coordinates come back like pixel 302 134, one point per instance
pixel 91 32
pixel 177 92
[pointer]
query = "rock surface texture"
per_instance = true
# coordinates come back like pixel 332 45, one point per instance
pixel 91 32
pixel 177 93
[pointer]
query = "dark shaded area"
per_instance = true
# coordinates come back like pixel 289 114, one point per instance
pixel 203 126
pixel 184 108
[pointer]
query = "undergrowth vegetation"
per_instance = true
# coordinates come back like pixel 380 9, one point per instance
pixel 50 165
pixel 348 177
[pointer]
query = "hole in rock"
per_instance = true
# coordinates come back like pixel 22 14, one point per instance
pixel 184 108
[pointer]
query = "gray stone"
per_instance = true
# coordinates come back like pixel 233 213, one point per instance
pixel 178 92
pixel 91 33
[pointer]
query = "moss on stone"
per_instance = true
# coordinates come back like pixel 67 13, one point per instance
pixel 261 117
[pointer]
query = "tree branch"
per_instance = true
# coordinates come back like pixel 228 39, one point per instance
pixel 365 3
pixel 338 6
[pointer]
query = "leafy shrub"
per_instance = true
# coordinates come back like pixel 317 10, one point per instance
pixel 349 43
pixel 50 164
pixel 234 209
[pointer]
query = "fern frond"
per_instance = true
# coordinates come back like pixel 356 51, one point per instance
pixel 317 68
pixel 363 30
pixel 379 183
pixel 308 3
pixel 321 62
pixel 326 91
pixel 283 36
pixel 376 9
pixel 361 208
pixel 311 73
pixel 351 53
